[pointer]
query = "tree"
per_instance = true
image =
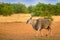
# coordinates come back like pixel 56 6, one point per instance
pixel 57 9
pixel 20 8
pixel 5 9
pixel 39 9
pixel 31 9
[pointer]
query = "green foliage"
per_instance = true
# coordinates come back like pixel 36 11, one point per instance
pixel 39 9
pixel 20 8
pixel 58 9
pixel 31 9
pixel 5 9
pixel 42 9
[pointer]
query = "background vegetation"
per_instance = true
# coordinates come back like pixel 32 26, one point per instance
pixel 39 9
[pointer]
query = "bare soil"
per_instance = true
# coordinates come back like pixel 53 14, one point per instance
pixel 25 30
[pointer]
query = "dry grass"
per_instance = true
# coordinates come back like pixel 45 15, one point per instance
pixel 21 18
pixel 15 17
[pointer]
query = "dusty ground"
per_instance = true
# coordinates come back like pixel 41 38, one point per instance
pixel 24 30
pixel 17 29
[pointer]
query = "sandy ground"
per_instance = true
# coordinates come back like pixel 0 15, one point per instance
pixel 17 29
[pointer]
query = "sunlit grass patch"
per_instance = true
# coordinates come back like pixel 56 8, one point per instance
pixel 36 38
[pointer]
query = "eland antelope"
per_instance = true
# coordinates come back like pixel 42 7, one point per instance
pixel 40 24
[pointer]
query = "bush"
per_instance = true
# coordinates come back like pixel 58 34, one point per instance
pixel 6 10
